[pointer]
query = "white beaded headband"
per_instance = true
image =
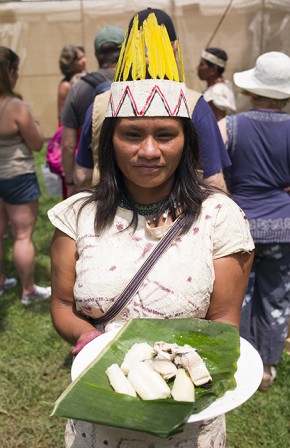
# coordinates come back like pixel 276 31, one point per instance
pixel 213 59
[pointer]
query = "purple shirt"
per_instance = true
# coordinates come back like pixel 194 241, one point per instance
pixel 259 148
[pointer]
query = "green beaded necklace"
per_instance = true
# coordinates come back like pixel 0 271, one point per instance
pixel 150 211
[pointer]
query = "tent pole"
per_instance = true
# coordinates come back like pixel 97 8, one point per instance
pixel 219 23
pixel 82 22
pixel 263 10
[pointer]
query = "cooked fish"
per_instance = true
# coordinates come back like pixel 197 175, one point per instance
pixel 188 358
pixel 164 350
pixel 164 367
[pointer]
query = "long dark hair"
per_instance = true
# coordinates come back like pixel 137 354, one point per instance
pixel 8 61
pixel 188 191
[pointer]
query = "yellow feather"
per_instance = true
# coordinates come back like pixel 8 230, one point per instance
pixel 181 68
pixel 120 60
pixel 127 59
pixel 158 52
pixel 168 73
pixel 149 47
pixel 139 61
pixel 171 70
pixel 148 28
pixel 128 62
pixel 156 60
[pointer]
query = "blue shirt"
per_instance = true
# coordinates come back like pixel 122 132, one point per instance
pixel 213 153
pixel 259 148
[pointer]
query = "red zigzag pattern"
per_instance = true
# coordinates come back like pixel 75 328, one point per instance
pixel 155 91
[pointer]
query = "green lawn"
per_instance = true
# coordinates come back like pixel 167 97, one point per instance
pixel 35 369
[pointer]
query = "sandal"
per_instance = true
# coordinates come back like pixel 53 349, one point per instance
pixel 7 284
pixel 269 375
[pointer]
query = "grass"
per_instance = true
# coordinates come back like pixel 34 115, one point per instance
pixel 35 368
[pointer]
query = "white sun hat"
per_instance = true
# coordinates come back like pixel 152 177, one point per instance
pixel 269 78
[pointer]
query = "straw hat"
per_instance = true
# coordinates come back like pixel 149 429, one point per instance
pixel 269 78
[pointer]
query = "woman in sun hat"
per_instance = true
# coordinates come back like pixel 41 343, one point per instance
pixel 259 146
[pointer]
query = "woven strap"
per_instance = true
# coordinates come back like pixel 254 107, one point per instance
pixel 138 278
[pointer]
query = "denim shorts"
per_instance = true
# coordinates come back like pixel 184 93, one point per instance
pixel 20 190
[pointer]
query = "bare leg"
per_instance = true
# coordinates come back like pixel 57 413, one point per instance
pixel 3 225
pixel 22 219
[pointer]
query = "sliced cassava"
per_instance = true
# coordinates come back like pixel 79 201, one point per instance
pixel 119 381
pixel 148 384
pixel 183 387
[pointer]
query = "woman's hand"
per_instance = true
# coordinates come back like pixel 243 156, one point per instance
pixel 84 339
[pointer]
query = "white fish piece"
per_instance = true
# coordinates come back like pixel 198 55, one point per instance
pixel 183 387
pixel 138 352
pixel 188 358
pixel 148 384
pixel 119 382
pixel 164 350
pixel 164 367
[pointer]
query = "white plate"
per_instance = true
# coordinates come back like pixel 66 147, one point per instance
pixel 91 351
pixel 248 375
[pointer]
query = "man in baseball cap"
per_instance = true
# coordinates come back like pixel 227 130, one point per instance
pixel 108 35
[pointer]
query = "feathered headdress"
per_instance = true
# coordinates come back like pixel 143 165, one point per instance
pixel 148 81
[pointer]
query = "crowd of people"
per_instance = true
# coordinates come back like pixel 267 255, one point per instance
pixel 133 166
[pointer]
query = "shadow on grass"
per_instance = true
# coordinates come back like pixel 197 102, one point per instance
pixel 67 362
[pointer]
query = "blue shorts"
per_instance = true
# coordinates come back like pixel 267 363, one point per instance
pixel 20 190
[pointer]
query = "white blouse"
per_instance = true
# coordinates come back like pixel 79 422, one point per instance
pixel 181 282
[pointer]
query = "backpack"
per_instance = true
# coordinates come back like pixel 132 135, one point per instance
pixel 53 153
pixel 101 88
pixel 100 82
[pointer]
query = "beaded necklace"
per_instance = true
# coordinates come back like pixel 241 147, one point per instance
pixel 151 211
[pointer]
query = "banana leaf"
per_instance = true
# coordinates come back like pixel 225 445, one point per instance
pixel 91 398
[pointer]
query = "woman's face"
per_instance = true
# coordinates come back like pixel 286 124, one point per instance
pixel 204 71
pixel 79 64
pixel 148 152
pixel 13 76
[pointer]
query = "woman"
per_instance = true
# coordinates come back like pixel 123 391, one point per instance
pixel 72 63
pixel 218 93
pixel 20 136
pixel 259 179
pixel 147 178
